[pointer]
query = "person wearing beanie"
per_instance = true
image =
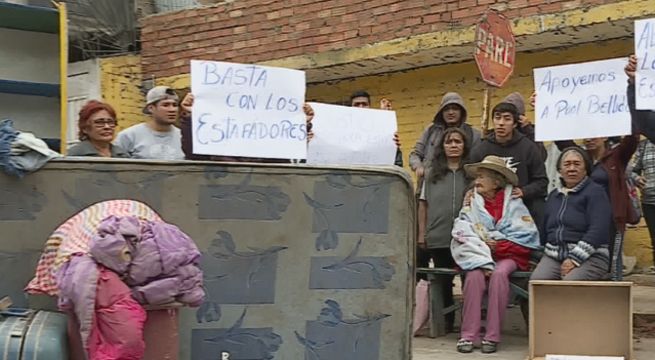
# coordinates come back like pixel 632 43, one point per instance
pixel 509 143
pixel 525 126
pixel 157 138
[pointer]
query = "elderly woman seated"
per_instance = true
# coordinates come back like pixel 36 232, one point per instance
pixel 492 238
pixel 577 224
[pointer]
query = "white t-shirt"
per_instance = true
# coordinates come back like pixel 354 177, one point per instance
pixel 141 142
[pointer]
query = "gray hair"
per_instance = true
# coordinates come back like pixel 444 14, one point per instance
pixel 497 177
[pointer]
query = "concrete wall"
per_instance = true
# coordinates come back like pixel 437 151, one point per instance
pixel 280 244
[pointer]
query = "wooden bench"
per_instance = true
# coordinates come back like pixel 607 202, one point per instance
pixel 438 311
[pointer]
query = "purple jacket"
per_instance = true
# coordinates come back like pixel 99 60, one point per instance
pixel 156 260
pixel 159 261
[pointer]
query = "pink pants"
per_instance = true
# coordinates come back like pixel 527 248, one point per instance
pixel 498 291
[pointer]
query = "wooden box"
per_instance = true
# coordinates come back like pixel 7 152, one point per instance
pixel 592 318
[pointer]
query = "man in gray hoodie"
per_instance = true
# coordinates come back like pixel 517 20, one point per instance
pixel 452 112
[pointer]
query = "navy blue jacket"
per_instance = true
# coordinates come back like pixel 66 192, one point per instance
pixel 577 224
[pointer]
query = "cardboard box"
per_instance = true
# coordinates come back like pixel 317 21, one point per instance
pixel 592 318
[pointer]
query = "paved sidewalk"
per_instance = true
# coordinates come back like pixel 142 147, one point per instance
pixel 515 335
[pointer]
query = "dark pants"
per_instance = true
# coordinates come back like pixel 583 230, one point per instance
pixel 444 259
pixel 649 216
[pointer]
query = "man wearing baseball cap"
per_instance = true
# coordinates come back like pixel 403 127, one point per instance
pixel 157 138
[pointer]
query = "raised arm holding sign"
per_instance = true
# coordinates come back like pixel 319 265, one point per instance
pixel 248 111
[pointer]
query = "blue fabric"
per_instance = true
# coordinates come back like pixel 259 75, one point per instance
pixel 475 225
pixel 7 136
pixel 577 224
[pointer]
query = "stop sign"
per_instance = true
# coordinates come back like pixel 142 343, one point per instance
pixel 495 48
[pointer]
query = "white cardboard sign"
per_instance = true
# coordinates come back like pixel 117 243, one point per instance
pixel 645 76
pixel 248 110
pixel 352 136
pixel 583 100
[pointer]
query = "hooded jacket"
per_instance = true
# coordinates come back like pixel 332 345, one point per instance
pixel 516 99
pixel 529 164
pixel 445 198
pixel 425 147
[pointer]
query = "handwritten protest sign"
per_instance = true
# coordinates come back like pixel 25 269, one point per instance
pixel 248 110
pixel 584 100
pixel 645 51
pixel 352 136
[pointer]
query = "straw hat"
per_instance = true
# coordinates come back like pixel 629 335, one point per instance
pixel 503 166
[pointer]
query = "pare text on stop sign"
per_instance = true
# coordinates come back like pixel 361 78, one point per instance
pixel 494 47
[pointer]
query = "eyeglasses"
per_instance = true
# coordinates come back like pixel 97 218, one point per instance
pixel 100 123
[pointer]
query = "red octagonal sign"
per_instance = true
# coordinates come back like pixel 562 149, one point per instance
pixel 495 48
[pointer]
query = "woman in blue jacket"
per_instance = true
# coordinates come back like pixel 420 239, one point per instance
pixel 577 224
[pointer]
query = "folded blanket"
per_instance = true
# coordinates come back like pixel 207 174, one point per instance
pixel 74 236
pixel 475 225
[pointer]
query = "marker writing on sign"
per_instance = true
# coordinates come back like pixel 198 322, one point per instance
pixel 251 102
pixel 646 88
pixel 553 84
pixel 646 58
pixel 250 76
pixel 592 105
pixel 216 130
pixel 646 37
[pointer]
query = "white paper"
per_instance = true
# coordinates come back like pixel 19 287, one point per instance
pixel 352 136
pixel 583 100
pixel 578 357
pixel 645 51
pixel 248 110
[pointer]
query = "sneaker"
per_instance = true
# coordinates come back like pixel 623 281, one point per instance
pixel 464 346
pixel 489 347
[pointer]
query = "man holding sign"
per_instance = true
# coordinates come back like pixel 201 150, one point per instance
pixel 157 138
pixel 245 113
pixel 362 99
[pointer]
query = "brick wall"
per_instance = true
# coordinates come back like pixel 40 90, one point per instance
pixel 250 31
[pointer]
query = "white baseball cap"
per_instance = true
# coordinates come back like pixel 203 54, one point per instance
pixel 159 93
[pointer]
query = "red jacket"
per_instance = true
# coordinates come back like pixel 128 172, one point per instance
pixel 506 249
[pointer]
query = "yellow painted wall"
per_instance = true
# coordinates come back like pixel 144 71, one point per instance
pixel 416 95
pixel 120 79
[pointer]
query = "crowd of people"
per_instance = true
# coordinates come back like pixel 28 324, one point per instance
pixel 485 205
pixel 488 202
